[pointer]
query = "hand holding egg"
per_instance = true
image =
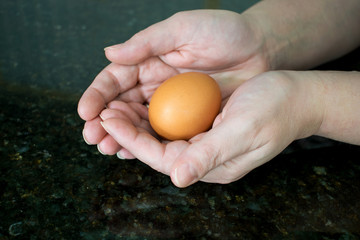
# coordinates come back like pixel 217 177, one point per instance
pixel 250 130
pixel 141 64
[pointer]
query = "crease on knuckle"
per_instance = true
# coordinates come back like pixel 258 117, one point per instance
pixel 211 157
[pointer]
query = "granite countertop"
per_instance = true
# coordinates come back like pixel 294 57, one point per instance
pixel 54 186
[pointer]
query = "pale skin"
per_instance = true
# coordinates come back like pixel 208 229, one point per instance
pixel 264 108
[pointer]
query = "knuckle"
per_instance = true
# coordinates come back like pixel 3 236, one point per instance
pixel 211 156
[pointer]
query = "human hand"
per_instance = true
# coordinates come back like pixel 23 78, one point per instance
pixel 263 116
pixel 225 44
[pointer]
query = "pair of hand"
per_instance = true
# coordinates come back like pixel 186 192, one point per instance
pixel 261 111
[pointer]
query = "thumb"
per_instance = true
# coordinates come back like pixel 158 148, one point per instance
pixel 201 156
pixel 155 40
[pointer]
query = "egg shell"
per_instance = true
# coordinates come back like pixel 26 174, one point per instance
pixel 184 105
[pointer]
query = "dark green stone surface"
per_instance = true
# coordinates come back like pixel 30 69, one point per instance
pixel 54 186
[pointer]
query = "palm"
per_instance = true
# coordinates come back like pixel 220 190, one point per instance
pixel 242 120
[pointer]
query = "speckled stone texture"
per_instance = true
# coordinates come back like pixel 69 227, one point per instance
pixel 54 186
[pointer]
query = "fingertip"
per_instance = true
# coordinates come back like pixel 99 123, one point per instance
pixel 124 154
pixel 200 157
pixel 184 175
pixel 131 52
pixel 120 156
pixel 112 52
pixel 113 47
pixel 116 128
pixel 84 137
pixel 108 145
pixel 81 109
pixel 92 132
pixel 90 104
pixel 99 149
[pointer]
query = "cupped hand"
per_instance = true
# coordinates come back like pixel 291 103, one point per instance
pixel 263 116
pixel 225 44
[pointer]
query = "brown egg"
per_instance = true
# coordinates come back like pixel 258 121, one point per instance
pixel 184 106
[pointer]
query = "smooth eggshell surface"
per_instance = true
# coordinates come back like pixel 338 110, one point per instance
pixel 184 106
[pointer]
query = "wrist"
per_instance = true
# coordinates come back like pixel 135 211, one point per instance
pixel 306 102
pixel 341 118
pixel 298 35
pixel 271 46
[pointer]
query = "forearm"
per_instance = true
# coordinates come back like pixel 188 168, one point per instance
pixel 340 96
pixel 304 34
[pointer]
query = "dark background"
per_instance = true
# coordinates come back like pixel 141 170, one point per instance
pixel 54 186
pixel 59 44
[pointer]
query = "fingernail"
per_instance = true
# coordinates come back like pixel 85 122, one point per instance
pixel 113 47
pixel 184 175
pixel 107 48
pixel 101 117
pixel 118 154
pixel 98 148
pixel 85 140
pixel 104 126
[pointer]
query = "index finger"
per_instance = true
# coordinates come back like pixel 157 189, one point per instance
pixel 108 84
pixel 145 147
